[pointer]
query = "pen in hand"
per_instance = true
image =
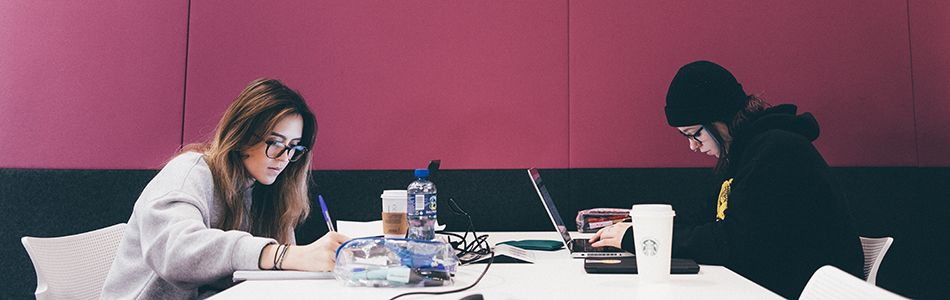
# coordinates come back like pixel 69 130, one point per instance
pixel 326 214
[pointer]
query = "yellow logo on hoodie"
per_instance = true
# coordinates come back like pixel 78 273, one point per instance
pixel 723 199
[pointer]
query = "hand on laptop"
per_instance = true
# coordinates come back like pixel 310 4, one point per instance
pixel 610 236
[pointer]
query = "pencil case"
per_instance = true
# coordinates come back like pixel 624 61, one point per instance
pixel 591 220
pixel 384 262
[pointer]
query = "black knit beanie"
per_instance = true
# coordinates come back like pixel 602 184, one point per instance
pixel 703 92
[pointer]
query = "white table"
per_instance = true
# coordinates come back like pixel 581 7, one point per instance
pixel 554 275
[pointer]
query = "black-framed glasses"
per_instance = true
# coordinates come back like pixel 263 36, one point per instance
pixel 695 136
pixel 275 149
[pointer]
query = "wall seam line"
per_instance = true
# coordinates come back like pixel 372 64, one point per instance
pixel 913 96
pixel 184 92
pixel 570 117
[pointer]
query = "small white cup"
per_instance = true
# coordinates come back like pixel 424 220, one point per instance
pixel 394 213
pixel 653 238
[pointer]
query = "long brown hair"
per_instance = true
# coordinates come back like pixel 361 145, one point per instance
pixel 276 208
pixel 755 104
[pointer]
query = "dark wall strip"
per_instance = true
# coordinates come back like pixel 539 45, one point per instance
pixel 909 204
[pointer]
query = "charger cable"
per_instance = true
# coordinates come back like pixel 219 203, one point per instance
pixel 478 246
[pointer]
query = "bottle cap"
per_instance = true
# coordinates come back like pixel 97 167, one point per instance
pixel 422 172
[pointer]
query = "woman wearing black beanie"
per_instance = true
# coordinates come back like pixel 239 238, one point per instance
pixel 780 215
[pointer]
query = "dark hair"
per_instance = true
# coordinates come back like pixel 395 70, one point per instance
pixel 755 104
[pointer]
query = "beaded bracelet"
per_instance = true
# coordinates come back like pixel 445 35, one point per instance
pixel 280 262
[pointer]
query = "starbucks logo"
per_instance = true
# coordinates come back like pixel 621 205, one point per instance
pixel 649 247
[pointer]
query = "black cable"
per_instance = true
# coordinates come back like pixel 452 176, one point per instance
pixel 478 246
pixel 456 290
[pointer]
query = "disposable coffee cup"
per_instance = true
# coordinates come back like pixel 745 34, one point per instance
pixel 653 238
pixel 394 213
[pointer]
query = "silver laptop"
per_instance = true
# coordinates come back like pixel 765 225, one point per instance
pixel 579 248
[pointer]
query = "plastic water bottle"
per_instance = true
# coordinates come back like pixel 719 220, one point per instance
pixel 420 207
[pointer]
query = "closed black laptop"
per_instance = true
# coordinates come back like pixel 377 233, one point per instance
pixel 628 265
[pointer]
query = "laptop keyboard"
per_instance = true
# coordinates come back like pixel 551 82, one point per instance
pixel 583 245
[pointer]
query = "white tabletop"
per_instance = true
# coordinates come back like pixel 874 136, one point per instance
pixel 554 275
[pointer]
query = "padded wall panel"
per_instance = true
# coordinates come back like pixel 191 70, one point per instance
pixel 847 62
pixel 930 45
pixel 479 84
pixel 91 84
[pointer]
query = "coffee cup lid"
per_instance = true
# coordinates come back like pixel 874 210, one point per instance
pixel 395 193
pixel 652 210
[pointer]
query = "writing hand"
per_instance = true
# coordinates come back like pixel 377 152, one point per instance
pixel 318 256
pixel 321 254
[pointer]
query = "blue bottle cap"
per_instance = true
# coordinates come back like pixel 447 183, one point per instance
pixel 422 172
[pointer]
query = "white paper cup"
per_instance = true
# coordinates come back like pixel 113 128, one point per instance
pixel 394 213
pixel 653 238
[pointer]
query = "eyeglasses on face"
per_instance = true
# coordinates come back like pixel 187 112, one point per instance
pixel 695 136
pixel 275 149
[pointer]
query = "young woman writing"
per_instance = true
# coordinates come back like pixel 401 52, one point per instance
pixel 226 205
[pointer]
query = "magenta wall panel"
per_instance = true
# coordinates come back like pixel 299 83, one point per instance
pixel 847 62
pixel 478 84
pixel 492 84
pixel 91 84
pixel 930 45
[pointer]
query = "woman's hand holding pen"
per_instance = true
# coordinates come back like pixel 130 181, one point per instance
pixel 321 254
pixel 610 236
pixel 318 256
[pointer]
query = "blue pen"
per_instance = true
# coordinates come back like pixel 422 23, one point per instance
pixel 326 214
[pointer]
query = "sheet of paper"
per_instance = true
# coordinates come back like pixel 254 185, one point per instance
pixel 356 229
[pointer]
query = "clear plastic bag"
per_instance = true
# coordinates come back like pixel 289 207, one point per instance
pixel 382 262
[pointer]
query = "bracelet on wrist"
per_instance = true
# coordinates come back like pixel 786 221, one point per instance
pixel 260 258
pixel 280 261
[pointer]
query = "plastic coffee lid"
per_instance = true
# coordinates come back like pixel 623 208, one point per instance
pixel 652 210
pixel 395 193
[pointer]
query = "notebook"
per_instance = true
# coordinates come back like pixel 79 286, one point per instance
pixel 279 275
pixel 579 248
pixel 628 265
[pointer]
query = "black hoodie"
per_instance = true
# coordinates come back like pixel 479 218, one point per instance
pixel 785 216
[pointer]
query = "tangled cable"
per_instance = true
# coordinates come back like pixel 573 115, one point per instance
pixel 479 247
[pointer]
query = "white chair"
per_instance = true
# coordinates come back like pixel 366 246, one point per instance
pixel 834 284
pixel 74 266
pixel 874 250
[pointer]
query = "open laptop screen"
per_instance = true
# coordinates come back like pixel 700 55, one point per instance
pixel 549 206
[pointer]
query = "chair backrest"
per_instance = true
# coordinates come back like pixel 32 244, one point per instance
pixel 74 266
pixel 834 284
pixel 874 250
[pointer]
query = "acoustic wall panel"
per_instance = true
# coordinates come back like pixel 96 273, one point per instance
pixel 491 77
pixel 930 46
pixel 847 62
pixel 394 84
pixel 91 84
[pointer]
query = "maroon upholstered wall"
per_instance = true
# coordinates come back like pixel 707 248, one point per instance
pixel 479 84
pixel 91 84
